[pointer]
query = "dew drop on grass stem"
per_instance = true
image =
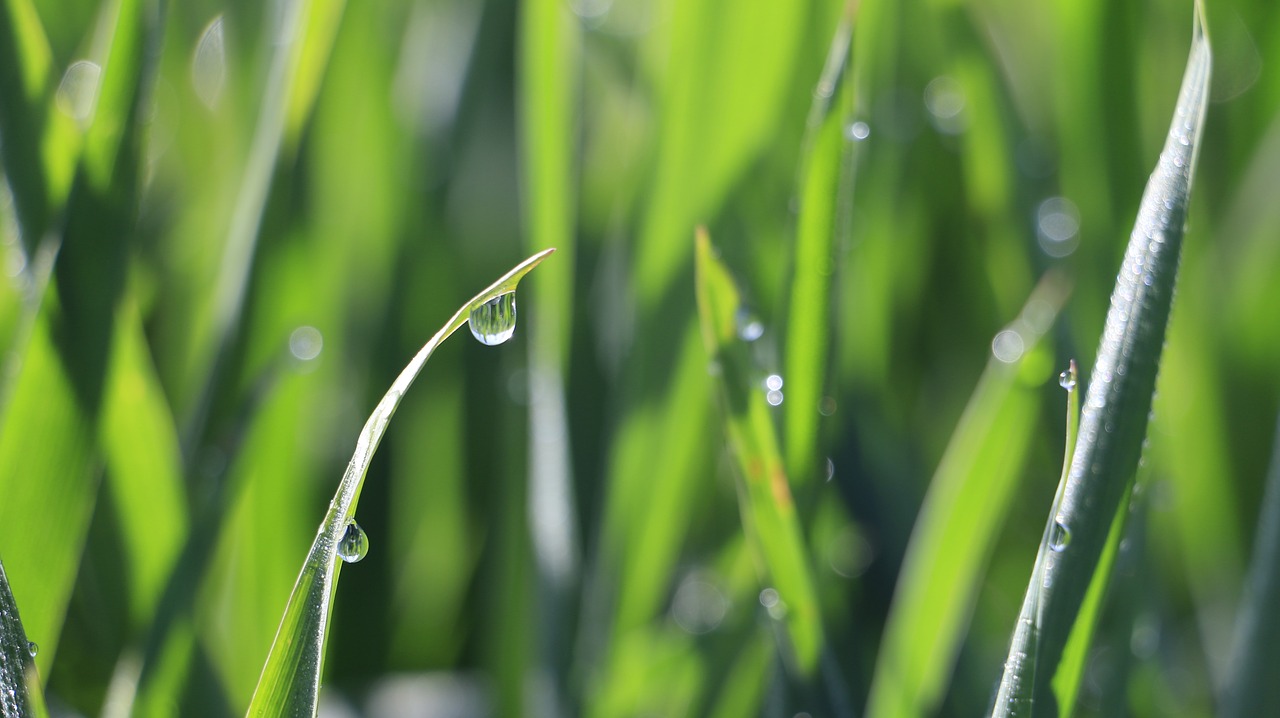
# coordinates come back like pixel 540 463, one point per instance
pixel 1059 537
pixel 32 648
pixel 494 322
pixel 354 544
pixel 1067 381
pixel 749 327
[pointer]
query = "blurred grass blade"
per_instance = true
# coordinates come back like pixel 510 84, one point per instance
pixel 961 518
pixel 826 197
pixel 550 45
pixel 290 681
pixel 1254 688
pixel 20 694
pixel 1117 405
pixel 764 496
pixel 51 418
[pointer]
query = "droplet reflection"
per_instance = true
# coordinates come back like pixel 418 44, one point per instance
pixel 494 322
pixel 354 544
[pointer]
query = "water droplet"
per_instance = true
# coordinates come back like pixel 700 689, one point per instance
pixel 699 606
pixel 769 597
pixel 1067 381
pixel 209 65
pixel 773 382
pixel 857 131
pixel 1007 346
pixel 494 322
pixel 354 544
pixel 78 92
pixel 827 406
pixel 774 397
pixel 944 98
pixel 32 648
pixel 305 343
pixel 749 327
pixel 1058 226
pixel 1059 537
pixel 831 469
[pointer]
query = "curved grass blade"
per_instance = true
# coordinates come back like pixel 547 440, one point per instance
pixel 20 694
pixel 1114 420
pixel 963 512
pixel 764 496
pixel 290 681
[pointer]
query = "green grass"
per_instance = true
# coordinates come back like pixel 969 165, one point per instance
pixel 204 298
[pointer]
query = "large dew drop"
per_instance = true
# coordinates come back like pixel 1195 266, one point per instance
pixel 494 321
pixel 354 544
pixel 32 648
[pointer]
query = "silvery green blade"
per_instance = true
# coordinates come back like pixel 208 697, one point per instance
pixel 20 695
pixel 290 681
pixel 1116 408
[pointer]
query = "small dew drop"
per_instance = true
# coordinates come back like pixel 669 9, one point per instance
pixel 827 406
pixel 749 327
pixel 773 382
pixel 774 397
pixel 77 94
pixel 305 343
pixel 1066 381
pixel 699 606
pixel 354 544
pixel 494 322
pixel 1007 346
pixel 1058 226
pixel 857 131
pixel 1059 537
pixel 32 648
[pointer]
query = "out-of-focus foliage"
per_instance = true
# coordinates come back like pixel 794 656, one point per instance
pixel 226 227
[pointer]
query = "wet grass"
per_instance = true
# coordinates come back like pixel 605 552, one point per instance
pixel 215 269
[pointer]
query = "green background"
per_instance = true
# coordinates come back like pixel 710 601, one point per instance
pixel 553 522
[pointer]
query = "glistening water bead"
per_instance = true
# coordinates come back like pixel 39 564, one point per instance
pixel 494 321
pixel 32 648
pixel 354 544
pixel 1059 537
pixel 1067 381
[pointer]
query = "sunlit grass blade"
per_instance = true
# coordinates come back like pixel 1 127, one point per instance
pixel 20 694
pixel 1254 683
pixel 764 495
pixel 961 518
pixel 49 473
pixel 826 196
pixel 1117 405
pixel 290 681
pixel 550 47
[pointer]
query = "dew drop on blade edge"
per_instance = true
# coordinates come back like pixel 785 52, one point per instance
pixel 354 544
pixel 1059 537
pixel 32 648
pixel 494 322
pixel 1066 381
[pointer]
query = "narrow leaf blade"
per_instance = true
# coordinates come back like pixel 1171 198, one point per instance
pixel 290 681
pixel 1117 405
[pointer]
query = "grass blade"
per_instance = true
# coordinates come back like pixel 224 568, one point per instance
pixel 1114 420
pixel 290 681
pixel 1255 670
pixel 826 200
pixel 959 523
pixel 764 496
pixel 20 694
